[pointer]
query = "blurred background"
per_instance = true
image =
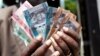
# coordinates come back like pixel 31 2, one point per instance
pixel 88 15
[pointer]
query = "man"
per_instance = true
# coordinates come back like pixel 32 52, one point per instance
pixel 67 40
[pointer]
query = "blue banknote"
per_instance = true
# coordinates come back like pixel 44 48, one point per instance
pixel 49 18
pixel 36 19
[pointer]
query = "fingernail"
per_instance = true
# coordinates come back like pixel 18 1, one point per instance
pixel 53 41
pixel 57 53
pixel 39 38
pixel 59 33
pixel 65 28
pixel 58 9
pixel 48 42
pixel 56 36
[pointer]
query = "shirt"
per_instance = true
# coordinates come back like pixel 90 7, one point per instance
pixel 10 44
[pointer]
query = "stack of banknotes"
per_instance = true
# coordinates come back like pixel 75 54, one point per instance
pixel 30 21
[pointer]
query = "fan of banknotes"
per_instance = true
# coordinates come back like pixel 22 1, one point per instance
pixel 30 21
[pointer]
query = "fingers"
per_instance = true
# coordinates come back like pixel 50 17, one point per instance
pixel 56 47
pixel 76 53
pixel 43 49
pixel 62 44
pixel 70 41
pixel 56 53
pixel 32 47
pixel 75 36
pixel 71 33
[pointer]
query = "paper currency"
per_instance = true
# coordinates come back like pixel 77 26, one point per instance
pixel 26 5
pixel 18 17
pixel 72 24
pixel 49 18
pixel 36 19
pixel 54 22
pixel 21 34
pixel 63 20
pixel 41 19
pixel 69 20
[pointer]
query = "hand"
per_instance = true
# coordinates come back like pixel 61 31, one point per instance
pixel 36 48
pixel 67 41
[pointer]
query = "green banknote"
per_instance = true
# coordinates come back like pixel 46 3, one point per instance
pixel 21 34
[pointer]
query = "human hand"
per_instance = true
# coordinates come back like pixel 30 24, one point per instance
pixel 36 48
pixel 66 41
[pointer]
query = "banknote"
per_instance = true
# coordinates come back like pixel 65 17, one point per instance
pixel 36 19
pixel 63 20
pixel 19 18
pixel 54 22
pixel 26 5
pixel 64 17
pixel 41 19
pixel 69 21
pixel 21 34
pixel 74 25
pixel 49 18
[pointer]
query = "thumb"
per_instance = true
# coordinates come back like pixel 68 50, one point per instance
pixel 56 53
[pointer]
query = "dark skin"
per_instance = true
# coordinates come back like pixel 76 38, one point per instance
pixel 66 41
pixel 36 48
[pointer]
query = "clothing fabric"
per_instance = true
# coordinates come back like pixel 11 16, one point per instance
pixel 10 45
